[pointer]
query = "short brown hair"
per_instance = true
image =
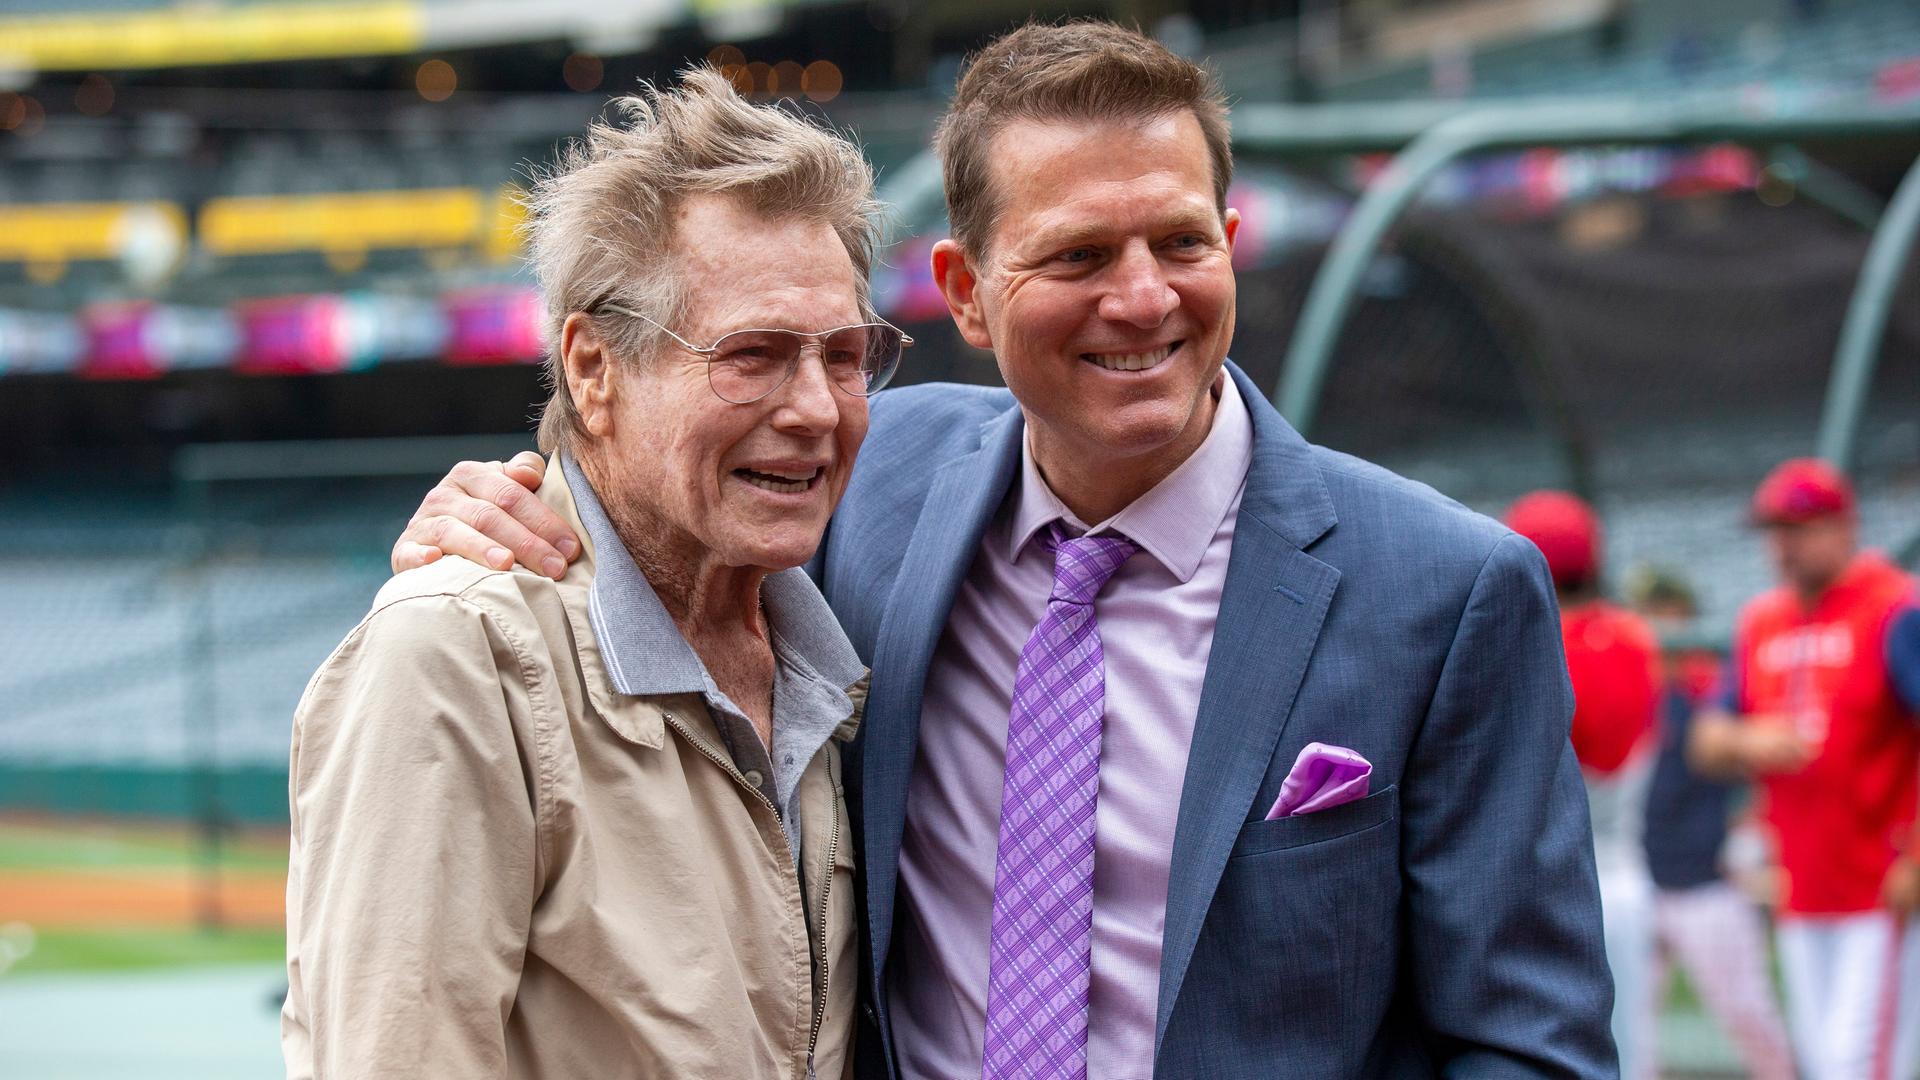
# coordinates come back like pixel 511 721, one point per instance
pixel 1078 70
pixel 601 223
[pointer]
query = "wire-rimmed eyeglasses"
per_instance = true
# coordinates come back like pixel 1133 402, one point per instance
pixel 747 365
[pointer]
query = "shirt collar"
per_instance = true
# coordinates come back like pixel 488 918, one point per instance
pixel 1174 522
pixel 646 654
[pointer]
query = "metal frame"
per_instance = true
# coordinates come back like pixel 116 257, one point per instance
pixel 1428 136
pixel 1331 297
pixel 1859 352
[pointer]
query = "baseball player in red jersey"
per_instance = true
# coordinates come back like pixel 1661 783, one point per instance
pixel 1613 660
pixel 1825 687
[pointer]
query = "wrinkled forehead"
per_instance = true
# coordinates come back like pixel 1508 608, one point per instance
pixel 740 271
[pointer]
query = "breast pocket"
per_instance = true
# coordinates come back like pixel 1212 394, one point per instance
pixel 1300 830
pixel 1305 923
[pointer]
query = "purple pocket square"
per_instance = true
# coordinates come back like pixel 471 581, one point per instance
pixel 1322 778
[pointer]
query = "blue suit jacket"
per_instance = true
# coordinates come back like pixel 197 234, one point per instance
pixel 1449 923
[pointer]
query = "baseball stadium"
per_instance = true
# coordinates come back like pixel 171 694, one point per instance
pixel 263 282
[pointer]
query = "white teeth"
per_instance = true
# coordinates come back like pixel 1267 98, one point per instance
pixel 1131 362
pixel 778 482
pixel 790 488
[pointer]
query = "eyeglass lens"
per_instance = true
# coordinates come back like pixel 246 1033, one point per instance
pixel 750 364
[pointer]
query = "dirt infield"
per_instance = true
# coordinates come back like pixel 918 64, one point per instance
pixel 152 897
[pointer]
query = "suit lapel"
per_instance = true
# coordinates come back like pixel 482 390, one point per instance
pixel 1276 597
pixel 960 501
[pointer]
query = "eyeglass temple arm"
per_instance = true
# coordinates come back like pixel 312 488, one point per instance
pixel 622 309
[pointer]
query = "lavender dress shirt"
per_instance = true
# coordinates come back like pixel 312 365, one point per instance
pixel 1156 618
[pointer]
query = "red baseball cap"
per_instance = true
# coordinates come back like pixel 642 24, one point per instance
pixel 1800 490
pixel 1565 530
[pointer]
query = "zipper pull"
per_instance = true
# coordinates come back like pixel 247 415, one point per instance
pixel 810 1073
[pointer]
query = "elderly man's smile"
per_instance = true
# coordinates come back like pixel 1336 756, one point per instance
pixel 1144 360
pixel 783 479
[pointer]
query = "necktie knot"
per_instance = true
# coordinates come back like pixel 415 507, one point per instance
pixel 1082 564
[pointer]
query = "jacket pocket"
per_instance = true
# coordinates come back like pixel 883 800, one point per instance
pixel 1259 837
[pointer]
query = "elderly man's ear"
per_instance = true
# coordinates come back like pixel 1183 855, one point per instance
pixel 954 274
pixel 590 373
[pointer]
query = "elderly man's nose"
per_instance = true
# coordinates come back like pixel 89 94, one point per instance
pixel 807 399
pixel 1138 292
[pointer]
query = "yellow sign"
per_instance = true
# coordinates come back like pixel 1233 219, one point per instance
pixel 52 234
pixel 174 37
pixel 504 237
pixel 346 223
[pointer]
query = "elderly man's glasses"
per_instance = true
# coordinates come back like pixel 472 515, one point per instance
pixel 747 365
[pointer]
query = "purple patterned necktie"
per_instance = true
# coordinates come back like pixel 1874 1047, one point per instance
pixel 1043 875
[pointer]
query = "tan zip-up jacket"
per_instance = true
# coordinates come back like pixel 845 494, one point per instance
pixel 502 866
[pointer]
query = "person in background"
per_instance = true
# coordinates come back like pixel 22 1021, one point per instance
pixel 1614 662
pixel 1820 707
pixel 1701 920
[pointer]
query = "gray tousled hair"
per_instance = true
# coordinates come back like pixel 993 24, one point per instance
pixel 600 224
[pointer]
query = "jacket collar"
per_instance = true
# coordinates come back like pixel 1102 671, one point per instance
pixel 1175 522
pixel 646 655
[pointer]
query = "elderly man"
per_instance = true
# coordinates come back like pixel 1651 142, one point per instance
pixel 1192 749
pixel 593 827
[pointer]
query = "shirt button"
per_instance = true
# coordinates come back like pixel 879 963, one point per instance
pixel 753 777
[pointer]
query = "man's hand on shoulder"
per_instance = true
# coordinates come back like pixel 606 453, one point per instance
pixel 486 512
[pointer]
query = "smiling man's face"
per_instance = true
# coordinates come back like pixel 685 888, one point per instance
pixel 1107 291
pixel 738 485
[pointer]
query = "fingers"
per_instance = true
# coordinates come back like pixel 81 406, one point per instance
pixel 451 536
pixel 527 469
pixel 408 555
pixel 486 512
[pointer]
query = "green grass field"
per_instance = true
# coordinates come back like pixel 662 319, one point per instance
pixel 38 856
pixel 43 845
pixel 143 949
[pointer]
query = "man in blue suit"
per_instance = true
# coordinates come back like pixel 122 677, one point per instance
pixel 1124 624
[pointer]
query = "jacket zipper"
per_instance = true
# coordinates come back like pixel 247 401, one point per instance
pixel 826 887
pixel 826 893
pixel 732 770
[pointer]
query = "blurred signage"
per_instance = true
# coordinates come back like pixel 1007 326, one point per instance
pixel 346 223
pixel 59 233
pixel 494 326
pixel 1543 179
pixel 1898 80
pixel 293 335
pixel 141 339
pixel 383 327
pixel 200 34
pixel 504 233
pixel 286 335
pixel 39 342
pixel 304 335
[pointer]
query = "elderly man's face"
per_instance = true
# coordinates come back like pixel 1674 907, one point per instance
pixel 1107 294
pixel 753 484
